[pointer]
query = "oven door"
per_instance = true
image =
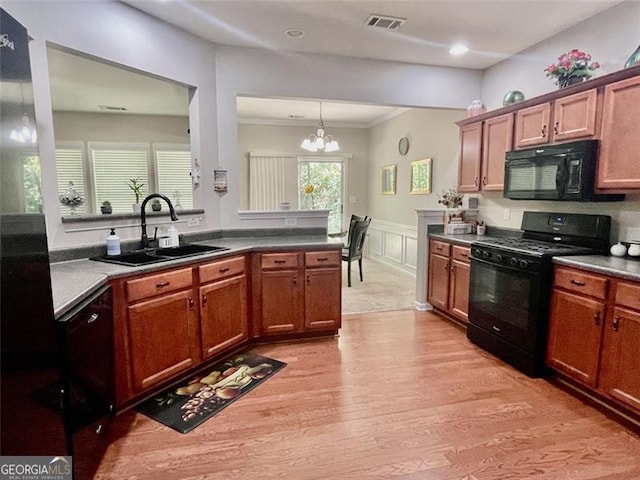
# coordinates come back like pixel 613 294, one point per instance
pixel 508 303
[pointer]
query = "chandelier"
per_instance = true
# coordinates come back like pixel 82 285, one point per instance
pixel 320 141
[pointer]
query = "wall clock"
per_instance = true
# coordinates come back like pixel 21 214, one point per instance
pixel 403 146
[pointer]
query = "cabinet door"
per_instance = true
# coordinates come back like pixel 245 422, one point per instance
pixel 438 281
pixel 620 141
pixel 621 357
pixel 161 338
pixel 532 125
pixel 470 158
pixel 497 141
pixel 281 302
pixel 459 290
pixel 322 299
pixel 575 334
pixel 575 116
pixel 223 315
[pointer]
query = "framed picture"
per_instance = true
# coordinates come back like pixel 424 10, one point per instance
pixel 388 180
pixel 421 177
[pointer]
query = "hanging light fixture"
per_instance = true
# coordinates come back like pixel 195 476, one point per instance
pixel 320 141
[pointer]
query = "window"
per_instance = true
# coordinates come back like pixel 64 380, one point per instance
pixel 110 166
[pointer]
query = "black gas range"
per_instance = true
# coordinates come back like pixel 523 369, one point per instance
pixel 511 280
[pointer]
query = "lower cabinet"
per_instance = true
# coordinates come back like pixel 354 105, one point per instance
pixel 297 292
pixel 161 327
pixel 223 305
pixel 594 333
pixel 449 276
pixel 170 322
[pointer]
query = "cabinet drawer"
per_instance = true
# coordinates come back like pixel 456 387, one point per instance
pixel 221 269
pixel 322 259
pixel 441 248
pixel 279 260
pixel 157 284
pixel 581 282
pixel 628 295
pixel 460 253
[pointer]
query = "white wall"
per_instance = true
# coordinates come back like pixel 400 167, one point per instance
pixel 610 38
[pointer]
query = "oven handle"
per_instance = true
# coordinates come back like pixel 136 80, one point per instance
pixel 504 268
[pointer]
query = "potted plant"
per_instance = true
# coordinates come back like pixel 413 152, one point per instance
pixel 136 185
pixel 106 207
pixel 156 206
pixel 573 66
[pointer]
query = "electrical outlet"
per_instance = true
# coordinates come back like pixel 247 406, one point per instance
pixel 193 222
pixel 290 222
pixel 507 214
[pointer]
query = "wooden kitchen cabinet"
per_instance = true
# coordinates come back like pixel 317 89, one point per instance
pixel 161 327
pixel 532 125
pixel 323 291
pixel 449 276
pixel 298 292
pixel 594 333
pixel 223 305
pixel 483 146
pixel 619 156
pixel 470 157
pixel 573 117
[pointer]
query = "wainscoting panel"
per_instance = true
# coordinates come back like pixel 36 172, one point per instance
pixel 393 244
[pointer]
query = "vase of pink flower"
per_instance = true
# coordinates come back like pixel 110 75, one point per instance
pixel 572 67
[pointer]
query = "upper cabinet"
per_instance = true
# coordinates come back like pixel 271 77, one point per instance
pixel 604 108
pixel 620 138
pixel 483 146
pixel 566 118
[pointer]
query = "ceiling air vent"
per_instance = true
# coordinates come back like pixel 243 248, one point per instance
pixel 111 109
pixel 291 116
pixel 385 21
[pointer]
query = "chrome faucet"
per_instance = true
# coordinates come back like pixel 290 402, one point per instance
pixel 144 241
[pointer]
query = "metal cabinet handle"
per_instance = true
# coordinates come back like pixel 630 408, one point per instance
pixel 191 303
pixel 475 182
pixel 543 132
pixel 308 279
pixel 162 284
pixel 555 127
pixel 616 323
pixel 578 283
pixel 446 267
pixel 92 318
pixel 484 180
pixel 224 270
pixel 323 259
pixel 596 317
pixel 204 300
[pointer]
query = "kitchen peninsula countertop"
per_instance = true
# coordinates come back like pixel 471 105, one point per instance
pixel 73 280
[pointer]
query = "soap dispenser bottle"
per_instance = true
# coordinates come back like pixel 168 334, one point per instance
pixel 113 243
pixel 174 240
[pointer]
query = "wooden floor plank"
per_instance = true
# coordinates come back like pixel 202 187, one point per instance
pixel 398 395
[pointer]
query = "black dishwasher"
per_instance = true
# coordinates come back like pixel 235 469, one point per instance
pixel 86 339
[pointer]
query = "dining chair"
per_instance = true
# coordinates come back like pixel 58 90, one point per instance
pixel 354 249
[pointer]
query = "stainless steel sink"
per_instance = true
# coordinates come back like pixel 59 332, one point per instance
pixel 144 257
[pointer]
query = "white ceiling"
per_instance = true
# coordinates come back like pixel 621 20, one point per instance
pixel 493 30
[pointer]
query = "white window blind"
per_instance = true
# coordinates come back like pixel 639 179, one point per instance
pixel 69 166
pixel 173 174
pixel 112 170
pixel 266 182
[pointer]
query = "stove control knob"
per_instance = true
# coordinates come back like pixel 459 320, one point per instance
pixel 524 264
pixel 477 252
pixel 513 262
pixel 486 254
pixel 499 258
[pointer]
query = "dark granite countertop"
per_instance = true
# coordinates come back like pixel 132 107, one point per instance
pixel 73 280
pixel 622 267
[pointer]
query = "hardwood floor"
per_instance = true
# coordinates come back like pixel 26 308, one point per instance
pixel 399 395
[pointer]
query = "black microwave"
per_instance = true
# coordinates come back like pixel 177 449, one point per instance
pixel 555 172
